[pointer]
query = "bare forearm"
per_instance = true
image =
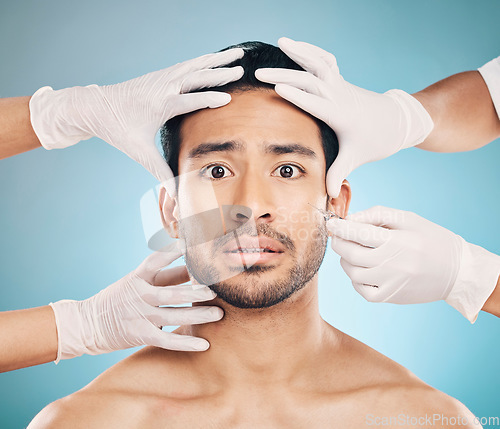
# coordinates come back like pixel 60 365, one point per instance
pixel 28 337
pixel 463 113
pixel 16 133
pixel 492 304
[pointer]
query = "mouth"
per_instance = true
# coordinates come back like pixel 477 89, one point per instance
pixel 247 244
pixel 239 250
pixel 252 250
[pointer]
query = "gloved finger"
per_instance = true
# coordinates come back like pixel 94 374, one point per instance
pixel 299 79
pixel 360 275
pixel 158 260
pixel 172 276
pixel 338 171
pixel 187 103
pixel 310 57
pixel 173 295
pixel 330 111
pixel 311 103
pixel 172 341
pixel 381 216
pixel 210 77
pixel 183 294
pixel 363 280
pixel 361 233
pixel 373 284
pixel 153 161
pixel 368 292
pixel 213 60
pixel 356 254
pixel 328 57
pixel 175 316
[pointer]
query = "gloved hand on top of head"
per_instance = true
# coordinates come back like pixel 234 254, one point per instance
pixel 369 126
pixel 129 114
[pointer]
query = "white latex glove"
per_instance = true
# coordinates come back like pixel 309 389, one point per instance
pixel 369 126
pixel 127 313
pixel 397 256
pixel 129 114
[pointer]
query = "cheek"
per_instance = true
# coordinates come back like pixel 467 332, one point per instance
pixel 310 234
pixel 300 225
pixel 303 234
pixel 195 196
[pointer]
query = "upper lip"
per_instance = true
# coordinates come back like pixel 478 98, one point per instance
pixel 247 242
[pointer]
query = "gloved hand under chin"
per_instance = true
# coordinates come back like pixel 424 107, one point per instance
pixel 128 313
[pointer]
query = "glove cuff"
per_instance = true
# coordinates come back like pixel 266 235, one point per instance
pixel 68 323
pixel 476 280
pixel 418 123
pixel 490 72
pixel 75 330
pixel 55 117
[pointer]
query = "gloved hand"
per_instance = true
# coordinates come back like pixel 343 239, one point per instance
pixel 397 256
pixel 129 114
pixel 127 313
pixel 369 126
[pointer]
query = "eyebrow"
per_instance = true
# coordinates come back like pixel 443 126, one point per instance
pixel 233 146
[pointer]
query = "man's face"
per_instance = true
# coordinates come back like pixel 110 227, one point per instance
pixel 275 168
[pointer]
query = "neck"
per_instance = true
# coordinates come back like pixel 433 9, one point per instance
pixel 269 345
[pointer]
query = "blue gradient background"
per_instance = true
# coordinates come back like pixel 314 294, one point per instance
pixel 70 218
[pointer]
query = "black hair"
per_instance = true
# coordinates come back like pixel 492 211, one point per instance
pixel 257 55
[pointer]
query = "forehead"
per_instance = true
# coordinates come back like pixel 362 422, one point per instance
pixel 255 119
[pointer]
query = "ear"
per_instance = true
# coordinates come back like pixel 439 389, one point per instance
pixel 340 205
pixel 169 212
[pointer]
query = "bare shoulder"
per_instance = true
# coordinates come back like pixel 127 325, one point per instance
pixel 85 409
pixel 390 395
pixel 128 394
pixel 416 406
pixel 366 369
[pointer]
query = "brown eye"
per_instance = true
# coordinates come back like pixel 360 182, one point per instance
pixel 214 172
pixel 287 171
pixel 217 172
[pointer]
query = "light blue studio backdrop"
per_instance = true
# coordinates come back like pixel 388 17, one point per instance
pixel 71 221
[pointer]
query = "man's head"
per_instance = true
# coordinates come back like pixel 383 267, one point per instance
pixel 257 55
pixel 260 152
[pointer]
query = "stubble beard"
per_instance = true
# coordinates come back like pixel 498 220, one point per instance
pixel 249 287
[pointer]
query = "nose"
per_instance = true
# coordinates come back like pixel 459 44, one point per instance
pixel 253 198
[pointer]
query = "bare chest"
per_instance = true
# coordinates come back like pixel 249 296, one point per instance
pixel 268 412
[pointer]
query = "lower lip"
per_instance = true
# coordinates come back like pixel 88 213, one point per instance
pixel 251 258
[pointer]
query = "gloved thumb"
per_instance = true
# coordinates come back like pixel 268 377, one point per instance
pixel 382 216
pixel 157 165
pixel 172 341
pixel 337 172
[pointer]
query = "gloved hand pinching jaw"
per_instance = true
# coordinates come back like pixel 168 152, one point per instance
pixel 399 257
pixel 128 115
pixel 128 313
pixel 369 126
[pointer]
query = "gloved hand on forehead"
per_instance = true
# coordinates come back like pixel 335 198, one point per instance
pixel 129 114
pixel 369 126
pixel 128 313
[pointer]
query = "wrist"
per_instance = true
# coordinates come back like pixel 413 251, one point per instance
pixel 73 336
pixel 492 304
pixel 476 279
pixel 417 121
pixel 56 116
